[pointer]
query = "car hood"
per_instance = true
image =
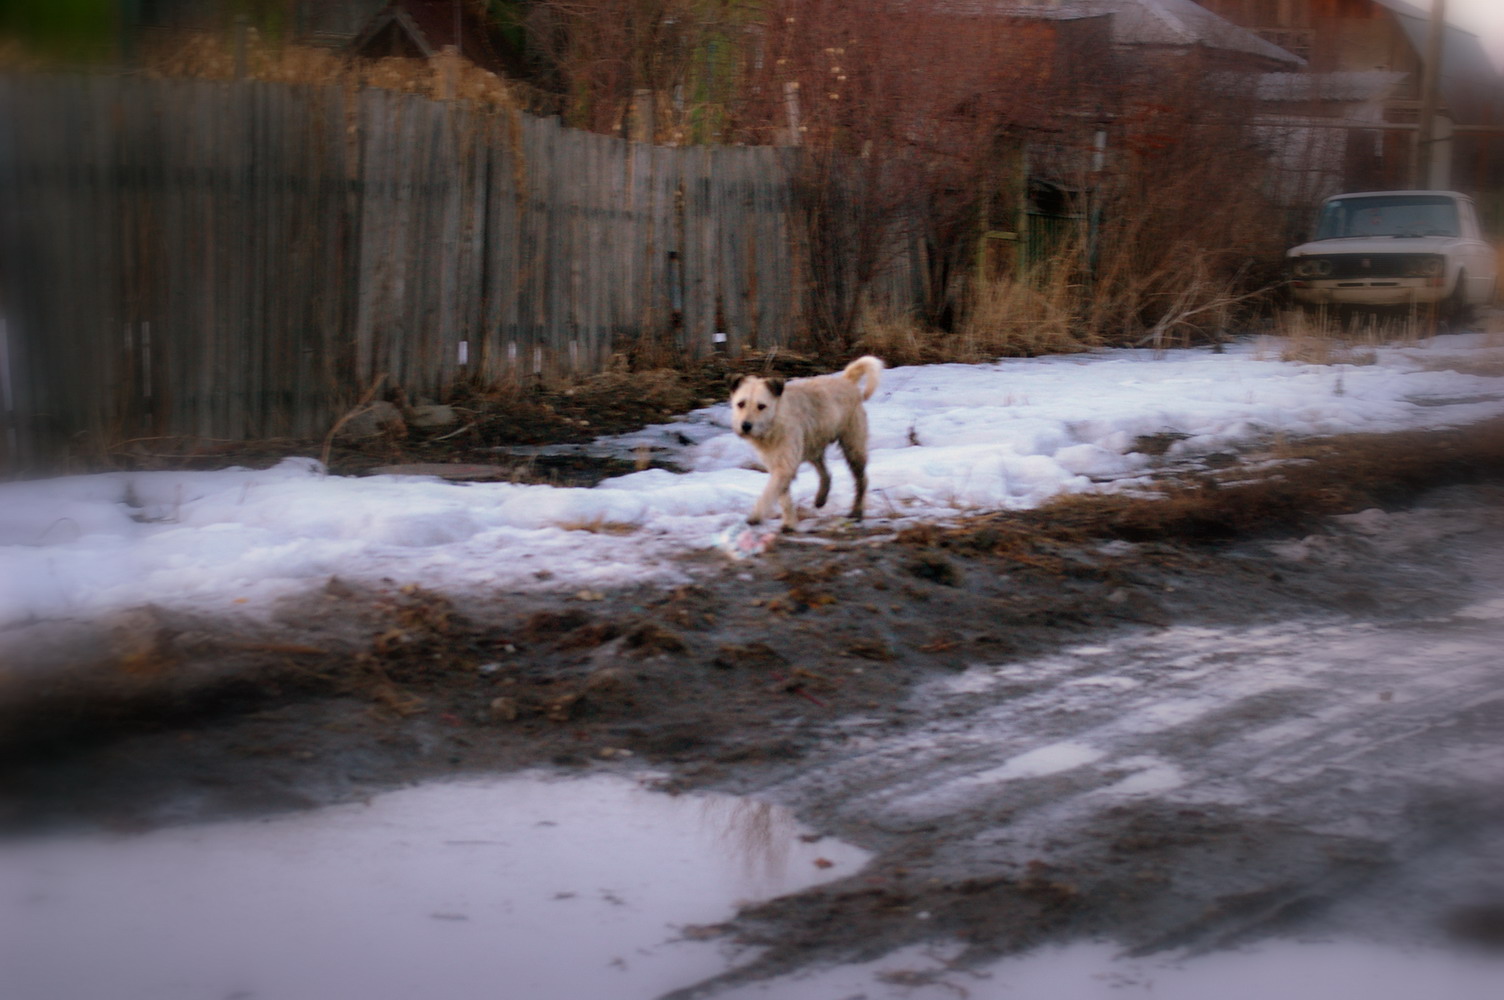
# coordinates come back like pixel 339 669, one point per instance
pixel 1376 244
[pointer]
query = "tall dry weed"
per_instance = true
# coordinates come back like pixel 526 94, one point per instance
pixel 1030 314
pixel 1332 337
pixel 1021 315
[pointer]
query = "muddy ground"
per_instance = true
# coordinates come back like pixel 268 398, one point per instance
pixel 772 675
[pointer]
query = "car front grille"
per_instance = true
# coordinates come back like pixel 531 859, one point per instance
pixel 1370 265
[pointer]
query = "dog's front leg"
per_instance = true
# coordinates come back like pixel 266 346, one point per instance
pixel 790 512
pixel 777 490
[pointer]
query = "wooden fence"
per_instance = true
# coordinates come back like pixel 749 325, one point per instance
pixel 233 261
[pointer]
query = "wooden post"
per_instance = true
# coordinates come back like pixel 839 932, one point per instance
pixel 791 112
pixel 1425 137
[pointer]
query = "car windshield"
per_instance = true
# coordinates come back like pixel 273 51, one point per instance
pixel 1388 215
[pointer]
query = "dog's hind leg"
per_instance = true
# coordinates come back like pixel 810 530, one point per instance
pixel 856 457
pixel 824 492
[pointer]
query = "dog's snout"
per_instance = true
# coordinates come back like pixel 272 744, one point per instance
pixel 746 427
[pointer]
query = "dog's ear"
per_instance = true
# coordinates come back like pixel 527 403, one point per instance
pixel 735 381
pixel 775 386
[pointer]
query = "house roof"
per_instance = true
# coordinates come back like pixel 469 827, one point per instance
pixel 1181 22
pixel 430 26
pixel 1142 22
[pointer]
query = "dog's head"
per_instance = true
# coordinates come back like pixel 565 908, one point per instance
pixel 754 404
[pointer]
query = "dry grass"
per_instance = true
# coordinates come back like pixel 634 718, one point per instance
pixel 1336 475
pixel 1020 316
pixel 600 526
pixel 1325 338
pixel 1028 315
pixel 1051 311
pixel 897 338
pixel 1322 478
pixel 204 56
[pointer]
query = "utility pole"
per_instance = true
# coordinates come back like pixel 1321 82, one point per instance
pixel 1430 83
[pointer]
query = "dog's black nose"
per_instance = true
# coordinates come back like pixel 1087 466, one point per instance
pixel 746 427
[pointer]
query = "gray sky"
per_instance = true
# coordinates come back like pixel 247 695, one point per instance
pixel 1483 17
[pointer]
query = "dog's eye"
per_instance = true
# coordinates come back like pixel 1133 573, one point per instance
pixel 762 406
pixel 740 403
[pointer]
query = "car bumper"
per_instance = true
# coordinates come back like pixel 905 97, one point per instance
pixel 1371 292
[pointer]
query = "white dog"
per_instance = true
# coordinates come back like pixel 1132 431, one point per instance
pixel 793 423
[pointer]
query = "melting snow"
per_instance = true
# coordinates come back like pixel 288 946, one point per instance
pixel 945 439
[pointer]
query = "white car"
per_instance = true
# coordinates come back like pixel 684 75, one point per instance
pixel 1396 248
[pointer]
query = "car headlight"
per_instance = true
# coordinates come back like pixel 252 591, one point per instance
pixel 1303 268
pixel 1425 267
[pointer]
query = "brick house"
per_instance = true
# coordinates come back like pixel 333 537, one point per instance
pixel 1386 39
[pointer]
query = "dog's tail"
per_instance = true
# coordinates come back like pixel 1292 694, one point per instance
pixel 865 365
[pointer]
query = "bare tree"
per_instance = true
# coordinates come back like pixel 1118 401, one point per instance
pixel 919 124
pixel 1191 226
pixel 612 60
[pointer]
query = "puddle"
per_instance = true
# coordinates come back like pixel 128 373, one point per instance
pixel 527 887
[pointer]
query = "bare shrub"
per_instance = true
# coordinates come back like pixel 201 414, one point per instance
pixel 897 154
pixel 1179 232
pixel 1191 236
pixel 654 69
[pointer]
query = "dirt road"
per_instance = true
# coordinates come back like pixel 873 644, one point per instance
pixel 1047 726
pixel 1198 785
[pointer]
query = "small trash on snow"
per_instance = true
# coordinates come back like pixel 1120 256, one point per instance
pixel 742 540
